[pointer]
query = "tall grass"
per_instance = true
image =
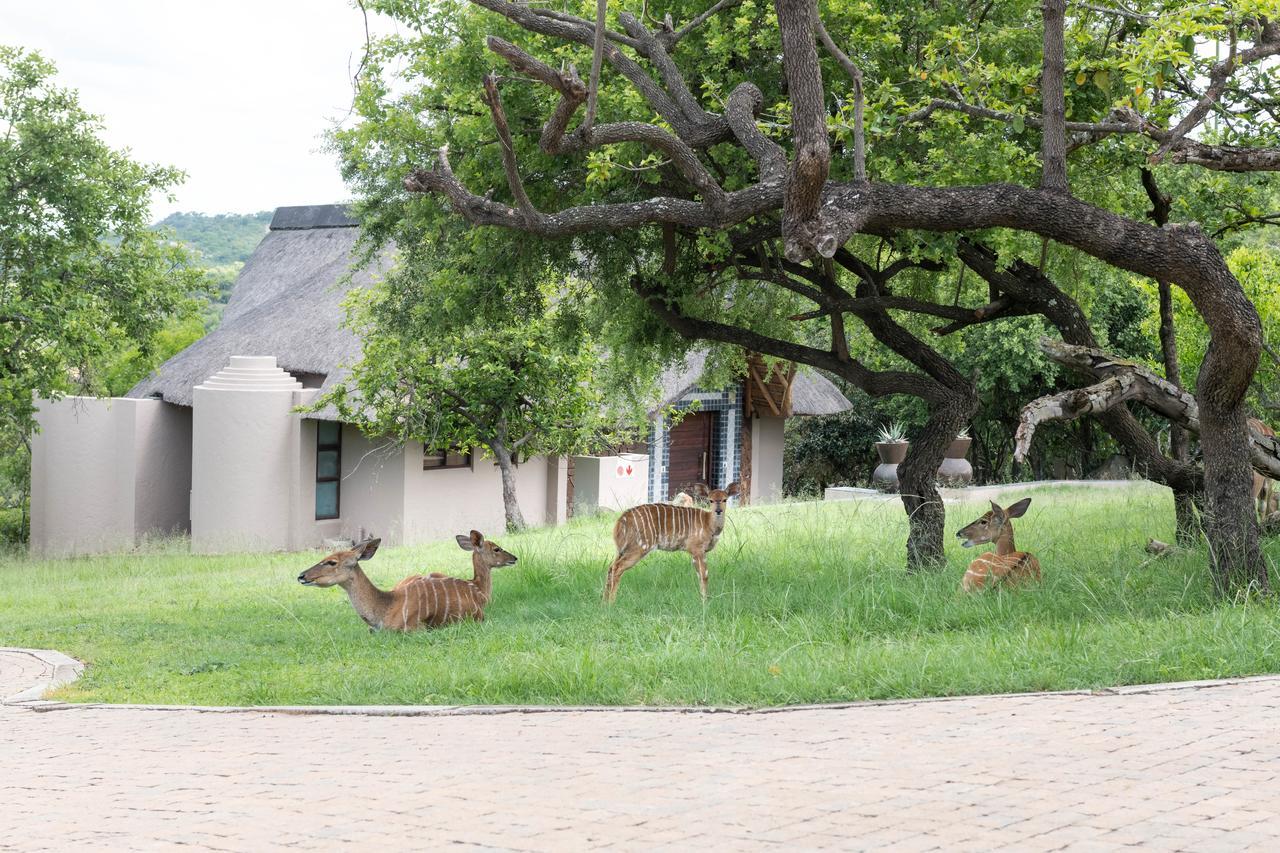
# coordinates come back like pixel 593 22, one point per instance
pixel 809 603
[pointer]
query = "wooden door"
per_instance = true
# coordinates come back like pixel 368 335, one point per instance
pixel 689 459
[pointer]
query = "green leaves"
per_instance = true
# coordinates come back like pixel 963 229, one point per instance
pixel 82 276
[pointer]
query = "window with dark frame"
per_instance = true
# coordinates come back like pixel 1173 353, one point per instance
pixel 439 460
pixel 328 469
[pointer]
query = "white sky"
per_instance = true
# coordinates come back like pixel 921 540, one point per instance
pixel 236 93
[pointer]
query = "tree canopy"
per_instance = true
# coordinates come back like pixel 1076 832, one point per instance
pixel 447 365
pixel 80 269
pixel 916 189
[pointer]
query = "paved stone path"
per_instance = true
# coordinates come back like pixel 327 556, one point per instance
pixel 1188 769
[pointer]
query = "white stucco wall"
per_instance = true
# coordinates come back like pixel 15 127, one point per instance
pixel 766 459
pixel 610 482
pixel 105 472
pixel 439 504
pixel 372 488
pixel 244 459
pixel 162 493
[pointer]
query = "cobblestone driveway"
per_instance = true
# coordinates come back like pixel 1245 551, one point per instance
pixel 1186 769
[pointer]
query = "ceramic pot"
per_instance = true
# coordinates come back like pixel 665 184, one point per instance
pixel 955 469
pixel 885 477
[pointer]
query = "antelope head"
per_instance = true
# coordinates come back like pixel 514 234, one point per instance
pixel 339 567
pixel 992 524
pixel 488 552
pixel 718 498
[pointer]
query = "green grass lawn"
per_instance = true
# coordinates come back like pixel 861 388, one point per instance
pixel 809 603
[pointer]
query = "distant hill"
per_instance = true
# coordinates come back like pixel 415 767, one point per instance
pixel 224 242
pixel 222 238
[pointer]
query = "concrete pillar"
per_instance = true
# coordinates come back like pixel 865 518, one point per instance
pixel 557 489
pixel 243 461
pixel 767 442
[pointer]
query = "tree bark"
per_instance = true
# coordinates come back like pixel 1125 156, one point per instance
pixel 515 519
pixel 1179 446
pixel 917 477
pixel 1053 138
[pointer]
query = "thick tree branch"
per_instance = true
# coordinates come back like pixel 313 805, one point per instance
pixel 1225 158
pixel 554 140
pixel 509 163
pixel 741 109
pixel 1053 139
pixel 1069 405
pixel 656 52
pixel 855 74
pixel 875 383
pixel 1124 380
pixel 811 156
pixel 597 59
pixel 738 206
pixel 567 83
pixel 581 31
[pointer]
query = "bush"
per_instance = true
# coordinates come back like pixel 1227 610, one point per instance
pixel 831 450
pixel 15 526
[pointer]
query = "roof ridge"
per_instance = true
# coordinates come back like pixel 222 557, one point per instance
pixel 307 217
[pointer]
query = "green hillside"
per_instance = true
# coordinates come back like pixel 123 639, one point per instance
pixel 224 242
pixel 223 238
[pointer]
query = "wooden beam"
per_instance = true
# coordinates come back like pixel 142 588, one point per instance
pixel 764 390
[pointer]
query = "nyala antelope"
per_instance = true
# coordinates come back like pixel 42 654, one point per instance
pixel 1006 564
pixel 1264 489
pixel 665 527
pixel 418 601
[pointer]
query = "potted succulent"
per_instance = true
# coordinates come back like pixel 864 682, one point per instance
pixel 955 469
pixel 892 447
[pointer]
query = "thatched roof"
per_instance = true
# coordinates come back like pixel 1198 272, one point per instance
pixel 811 392
pixel 287 302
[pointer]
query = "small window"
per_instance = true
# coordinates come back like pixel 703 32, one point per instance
pixel 438 460
pixel 328 469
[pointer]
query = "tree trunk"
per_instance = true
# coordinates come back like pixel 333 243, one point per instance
pixel 1187 508
pixel 1178 442
pixel 1230 514
pixel 1053 146
pixel 515 520
pixel 917 476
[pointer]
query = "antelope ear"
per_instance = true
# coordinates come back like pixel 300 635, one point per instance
pixel 700 489
pixel 464 542
pixel 1016 510
pixel 732 489
pixel 368 548
pixel 477 538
